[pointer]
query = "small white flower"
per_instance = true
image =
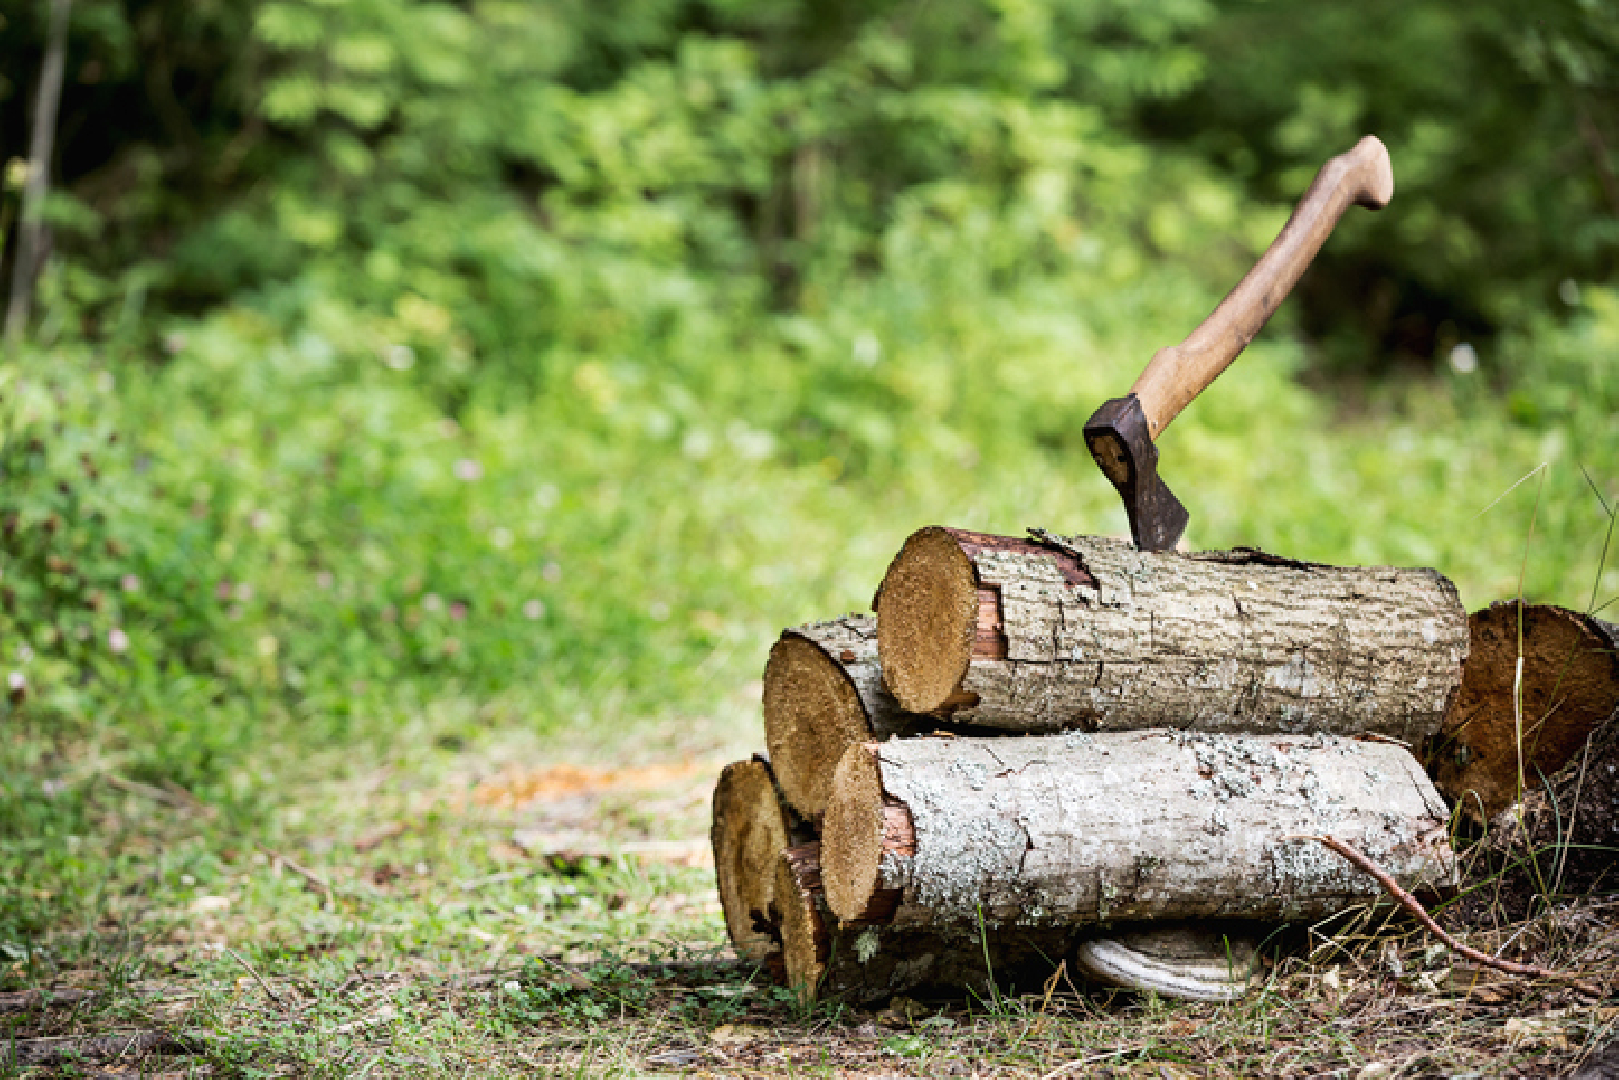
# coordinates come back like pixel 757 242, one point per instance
pixel 16 681
pixel 130 583
pixel 512 986
pixel 1463 359
pixel 501 537
pixel 432 602
pixel 552 572
pixel 468 469
pixel 117 640
pixel 533 609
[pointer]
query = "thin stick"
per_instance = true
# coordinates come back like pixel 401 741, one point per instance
pixel 302 871
pixel 234 955
pixel 1089 1059
pixel 1414 906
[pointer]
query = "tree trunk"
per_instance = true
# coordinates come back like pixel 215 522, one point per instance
pixel 1091 633
pixel 1568 685
pixel 1082 828
pixel 864 963
pixel 25 262
pixel 751 827
pixel 824 692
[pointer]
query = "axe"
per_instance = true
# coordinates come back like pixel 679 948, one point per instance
pixel 1122 432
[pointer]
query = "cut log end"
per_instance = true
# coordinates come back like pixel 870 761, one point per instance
pixel 812 713
pixel 1569 685
pixel 927 620
pixel 795 911
pixel 749 831
pixel 852 834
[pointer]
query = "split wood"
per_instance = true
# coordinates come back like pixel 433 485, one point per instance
pixel 1414 906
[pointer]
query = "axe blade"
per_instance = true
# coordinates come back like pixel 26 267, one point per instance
pixel 1118 439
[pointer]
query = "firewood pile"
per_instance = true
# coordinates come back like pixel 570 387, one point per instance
pixel 1053 750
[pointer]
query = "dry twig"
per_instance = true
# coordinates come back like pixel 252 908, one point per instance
pixel 234 955
pixel 1414 906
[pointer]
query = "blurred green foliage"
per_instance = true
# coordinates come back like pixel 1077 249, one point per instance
pixel 550 356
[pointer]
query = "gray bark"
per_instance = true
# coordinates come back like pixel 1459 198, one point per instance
pixel 1232 642
pixel 1083 828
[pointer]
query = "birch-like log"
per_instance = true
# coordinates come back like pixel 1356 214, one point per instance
pixel 864 963
pixel 1091 633
pixel 751 827
pixel 824 692
pixel 1081 828
pixel 1511 724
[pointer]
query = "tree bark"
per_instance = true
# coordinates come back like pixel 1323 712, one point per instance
pixel 863 963
pixel 1091 633
pixel 1082 828
pixel 1508 731
pixel 824 692
pixel 751 827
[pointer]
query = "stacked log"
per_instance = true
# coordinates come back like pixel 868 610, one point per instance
pixel 824 692
pixel 1090 632
pixel 1123 826
pixel 1530 754
pixel 1187 725
pixel 751 827
pixel 1539 681
pixel 863 962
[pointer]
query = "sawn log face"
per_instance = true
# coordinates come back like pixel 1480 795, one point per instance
pixel 1084 828
pixel 823 691
pixel 1101 636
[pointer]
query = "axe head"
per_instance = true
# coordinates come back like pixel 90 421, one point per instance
pixel 1119 441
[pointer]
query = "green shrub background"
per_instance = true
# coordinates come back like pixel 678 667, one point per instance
pixel 405 366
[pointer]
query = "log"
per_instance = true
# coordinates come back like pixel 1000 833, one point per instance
pixel 1569 686
pixel 824 692
pixel 1091 633
pixel 1083 828
pixel 863 963
pixel 751 827
pixel 1562 839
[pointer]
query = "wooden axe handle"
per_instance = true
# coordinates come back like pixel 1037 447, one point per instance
pixel 1178 373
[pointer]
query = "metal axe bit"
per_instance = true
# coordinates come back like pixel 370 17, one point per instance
pixel 1122 433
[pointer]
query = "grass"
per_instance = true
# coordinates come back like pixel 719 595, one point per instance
pixel 384 918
